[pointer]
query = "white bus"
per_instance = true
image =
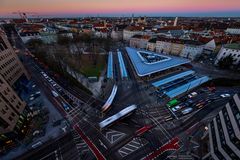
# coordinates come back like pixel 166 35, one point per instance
pixel 120 115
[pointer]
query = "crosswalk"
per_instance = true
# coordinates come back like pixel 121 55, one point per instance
pixel 132 146
pixel 113 136
pixel 82 147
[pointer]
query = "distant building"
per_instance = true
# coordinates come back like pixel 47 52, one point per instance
pixel 223 134
pixel 117 32
pixel 49 36
pixel 46 34
pixel 172 31
pixel 235 31
pixel 210 47
pixel 142 20
pixel 192 50
pixel 139 41
pixel 169 46
pixel 26 36
pixel 151 45
pixel 184 48
pixel 175 21
pixel 101 33
pixel 117 35
pixel 131 31
pixel 232 50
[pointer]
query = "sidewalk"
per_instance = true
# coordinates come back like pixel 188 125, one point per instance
pixel 50 132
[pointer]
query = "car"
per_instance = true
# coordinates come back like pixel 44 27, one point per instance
pixel 65 106
pixel 189 102
pixel 54 84
pixel 193 94
pixel 200 104
pixel 36 145
pixel 31 98
pixel 54 93
pixel 187 110
pixel 208 100
pixel 176 108
pixel 38 92
pixel 225 95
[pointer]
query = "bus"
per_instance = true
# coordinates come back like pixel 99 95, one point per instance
pixel 108 103
pixel 172 103
pixel 118 116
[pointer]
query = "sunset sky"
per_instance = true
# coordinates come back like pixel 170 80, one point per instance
pixel 114 7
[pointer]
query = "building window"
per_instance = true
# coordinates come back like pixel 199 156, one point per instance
pixel 10 118
pixel 3 111
pixel 3 45
pixel 13 114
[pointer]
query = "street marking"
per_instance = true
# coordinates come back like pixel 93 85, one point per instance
pixel 48 155
pixel 113 136
pixel 102 144
pixel 132 146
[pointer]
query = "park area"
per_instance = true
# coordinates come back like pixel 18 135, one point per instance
pixel 90 65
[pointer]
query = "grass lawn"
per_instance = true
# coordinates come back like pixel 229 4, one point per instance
pixel 88 65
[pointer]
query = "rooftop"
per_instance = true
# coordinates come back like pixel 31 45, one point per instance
pixel 233 46
pixel 144 67
pixel 134 28
pixel 141 36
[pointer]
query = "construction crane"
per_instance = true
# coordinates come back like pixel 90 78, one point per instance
pixel 23 15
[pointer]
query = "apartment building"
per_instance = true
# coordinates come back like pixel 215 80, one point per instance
pixel 10 66
pixel 235 31
pixel 192 50
pixel 11 107
pixel 151 45
pixel 169 46
pixel 232 50
pixel 139 41
pixel 130 31
pixel 223 132
pixel 178 47
pixel 117 32
pixel 13 112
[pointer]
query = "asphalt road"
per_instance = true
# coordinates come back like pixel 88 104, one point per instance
pixel 56 149
pixel 130 92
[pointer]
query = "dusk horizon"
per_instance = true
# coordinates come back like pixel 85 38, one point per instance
pixel 73 8
pixel 119 79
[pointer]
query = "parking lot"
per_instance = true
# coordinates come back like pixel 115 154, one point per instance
pixel 194 101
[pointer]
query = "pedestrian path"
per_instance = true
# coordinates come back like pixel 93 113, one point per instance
pixel 132 146
pixel 113 136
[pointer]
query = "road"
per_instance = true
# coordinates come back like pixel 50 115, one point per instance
pixel 55 149
pixel 120 140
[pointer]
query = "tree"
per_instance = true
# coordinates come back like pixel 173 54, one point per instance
pixel 34 43
pixel 226 62
pixel 63 40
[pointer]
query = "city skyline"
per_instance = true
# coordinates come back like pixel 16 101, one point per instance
pixel 122 8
